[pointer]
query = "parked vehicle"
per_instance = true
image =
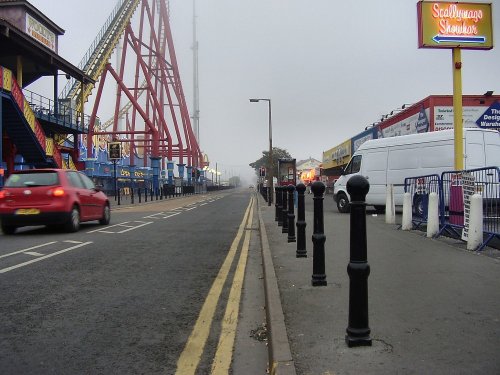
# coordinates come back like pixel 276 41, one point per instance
pixel 390 160
pixel 51 197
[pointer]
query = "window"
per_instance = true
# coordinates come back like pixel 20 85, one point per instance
pixel 87 181
pixel 354 165
pixel 75 180
pixel 32 179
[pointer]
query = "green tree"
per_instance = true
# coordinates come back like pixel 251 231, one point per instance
pixel 278 153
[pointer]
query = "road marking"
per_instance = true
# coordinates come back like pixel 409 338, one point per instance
pixel 224 353
pixel 191 355
pixel 72 241
pixel 33 253
pixel 203 204
pixel 4 270
pixel 28 249
pixel 161 215
pixel 124 224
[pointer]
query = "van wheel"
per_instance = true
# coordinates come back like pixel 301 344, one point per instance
pixel 343 203
pixel 73 223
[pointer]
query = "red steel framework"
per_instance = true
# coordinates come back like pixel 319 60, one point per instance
pixel 165 130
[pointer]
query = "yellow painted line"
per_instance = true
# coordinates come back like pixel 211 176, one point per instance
pixel 224 353
pixel 191 355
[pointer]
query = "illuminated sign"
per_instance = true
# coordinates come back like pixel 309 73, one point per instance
pixel 452 25
pixel 40 33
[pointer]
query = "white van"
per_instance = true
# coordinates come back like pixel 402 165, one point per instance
pixel 390 160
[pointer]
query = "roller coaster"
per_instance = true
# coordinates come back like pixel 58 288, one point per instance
pixel 151 121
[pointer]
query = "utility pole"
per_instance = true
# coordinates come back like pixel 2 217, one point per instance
pixel 196 88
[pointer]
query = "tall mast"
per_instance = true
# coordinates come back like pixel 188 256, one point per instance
pixel 196 88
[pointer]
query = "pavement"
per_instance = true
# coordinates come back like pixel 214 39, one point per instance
pixel 434 307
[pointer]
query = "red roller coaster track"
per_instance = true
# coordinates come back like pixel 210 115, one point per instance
pixel 158 123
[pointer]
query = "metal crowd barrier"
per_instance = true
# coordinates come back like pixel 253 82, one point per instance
pixel 453 210
pixel 484 181
pixel 419 188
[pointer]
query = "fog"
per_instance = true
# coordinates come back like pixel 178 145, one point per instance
pixel 330 68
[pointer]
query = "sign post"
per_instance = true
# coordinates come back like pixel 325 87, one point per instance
pixel 455 26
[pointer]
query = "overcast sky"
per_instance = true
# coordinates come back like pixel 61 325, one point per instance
pixel 329 67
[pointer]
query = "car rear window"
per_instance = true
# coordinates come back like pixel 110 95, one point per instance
pixel 32 179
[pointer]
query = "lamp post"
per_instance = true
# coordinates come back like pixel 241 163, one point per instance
pixel 270 161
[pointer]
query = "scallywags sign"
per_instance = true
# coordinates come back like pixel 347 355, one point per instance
pixel 454 25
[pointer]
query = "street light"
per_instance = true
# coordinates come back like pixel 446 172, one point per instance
pixel 270 169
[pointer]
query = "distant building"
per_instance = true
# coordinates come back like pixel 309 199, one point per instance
pixel 308 170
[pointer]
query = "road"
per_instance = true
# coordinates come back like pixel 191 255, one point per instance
pixel 151 293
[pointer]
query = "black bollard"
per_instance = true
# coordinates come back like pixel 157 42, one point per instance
pixel 358 269
pixel 161 193
pixel 284 210
pixel 279 200
pixel 139 194
pixel 119 197
pixel 152 194
pixel 291 215
pixel 132 196
pixel 276 189
pixel 301 222
pixel 145 194
pixel 318 237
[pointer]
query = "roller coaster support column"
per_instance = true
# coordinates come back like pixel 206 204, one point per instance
pixel 89 167
pixel 202 180
pixel 170 170
pixel 155 165
pixel 132 181
pixel 189 174
pixel 181 175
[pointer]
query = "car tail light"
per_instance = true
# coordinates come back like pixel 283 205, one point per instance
pixel 3 194
pixel 57 192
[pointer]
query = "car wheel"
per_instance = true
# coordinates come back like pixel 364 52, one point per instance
pixel 106 215
pixel 343 203
pixel 379 209
pixel 8 229
pixel 74 220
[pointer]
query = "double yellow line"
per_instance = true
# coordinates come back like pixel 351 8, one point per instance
pixel 191 355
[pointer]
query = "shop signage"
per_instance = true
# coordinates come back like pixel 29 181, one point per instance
pixel 454 25
pixel 491 118
pixel 40 33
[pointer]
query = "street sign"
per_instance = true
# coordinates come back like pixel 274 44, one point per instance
pixel 444 24
pixel 114 150
pixel 491 118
